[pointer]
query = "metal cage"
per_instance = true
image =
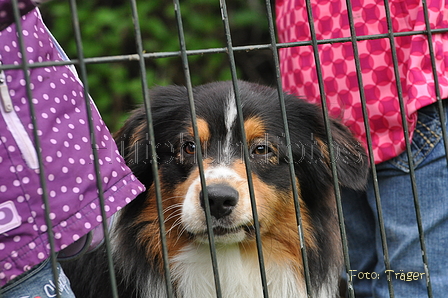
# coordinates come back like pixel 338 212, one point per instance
pixel 141 56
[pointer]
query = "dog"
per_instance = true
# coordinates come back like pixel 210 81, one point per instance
pixel 135 233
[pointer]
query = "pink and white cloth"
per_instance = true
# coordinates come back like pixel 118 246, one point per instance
pixel 338 64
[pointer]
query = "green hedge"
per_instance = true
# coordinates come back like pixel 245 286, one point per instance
pixel 107 30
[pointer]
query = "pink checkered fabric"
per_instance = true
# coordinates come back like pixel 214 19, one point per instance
pixel 338 64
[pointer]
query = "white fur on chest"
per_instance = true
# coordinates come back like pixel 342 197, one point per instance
pixel 239 275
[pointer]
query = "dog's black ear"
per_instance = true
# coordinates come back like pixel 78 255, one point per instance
pixel 132 142
pixel 311 149
pixel 350 157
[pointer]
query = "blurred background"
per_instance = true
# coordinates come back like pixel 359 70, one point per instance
pixel 107 30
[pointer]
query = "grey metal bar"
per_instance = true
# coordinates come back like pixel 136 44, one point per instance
pixel 154 166
pixel 99 185
pixel 42 176
pixel 246 48
pixel 369 148
pixel 247 162
pixel 274 49
pixel 435 76
pixel 330 141
pixel 208 215
pixel 408 148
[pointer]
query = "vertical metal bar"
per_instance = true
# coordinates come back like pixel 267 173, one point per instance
pixel 99 185
pixel 288 146
pixel 154 166
pixel 330 147
pixel 183 52
pixel 246 155
pixel 408 147
pixel 435 76
pixel 370 151
pixel 42 176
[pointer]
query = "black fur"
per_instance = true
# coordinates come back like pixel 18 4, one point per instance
pixel 171 117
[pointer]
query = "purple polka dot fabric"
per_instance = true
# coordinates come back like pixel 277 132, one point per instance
pixel 70 178
pixel 338 65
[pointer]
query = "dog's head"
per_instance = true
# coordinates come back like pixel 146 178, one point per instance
pixel 221 143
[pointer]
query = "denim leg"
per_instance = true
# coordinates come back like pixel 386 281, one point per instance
pixel 38 282
pixel 405 255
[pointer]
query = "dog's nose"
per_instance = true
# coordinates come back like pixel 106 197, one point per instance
pixel 222 199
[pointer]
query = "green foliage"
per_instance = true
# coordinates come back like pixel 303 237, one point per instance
pixel 107 30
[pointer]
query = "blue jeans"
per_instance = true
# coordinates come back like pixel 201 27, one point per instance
pixel 407 273
pixel 38 282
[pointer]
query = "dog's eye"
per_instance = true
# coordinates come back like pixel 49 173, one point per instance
pixel 261 150
pixel 189 147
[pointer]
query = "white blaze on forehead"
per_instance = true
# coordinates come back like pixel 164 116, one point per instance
pixel 230 118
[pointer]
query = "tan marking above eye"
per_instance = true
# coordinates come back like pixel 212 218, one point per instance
pixel 203 130
pixel 254 128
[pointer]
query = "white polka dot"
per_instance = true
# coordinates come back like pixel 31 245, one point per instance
pixel 52 216
pixel 93 205
pixel 49 159
pixel 20 199
pixel 75 237
pixel 11 149
pixel 32 245
pixel 25 180
pixel 63 223
pixel 16 183
pixel 64 170
pixel 7 266
pixel 87 225
pixel 3 188
pixel 43 228
pixel 66 208
pixel 50 177
pixel 64 189
pixel 41 256
pixel 16 239
pixel 75 190
pixel 57 235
